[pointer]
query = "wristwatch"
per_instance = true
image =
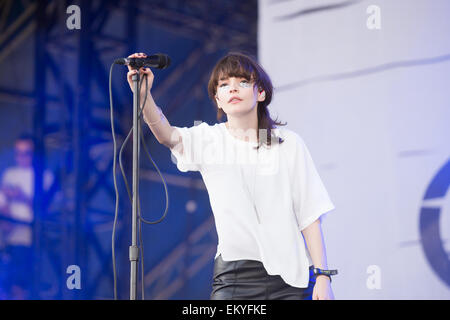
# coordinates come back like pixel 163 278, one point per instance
pixel 328 273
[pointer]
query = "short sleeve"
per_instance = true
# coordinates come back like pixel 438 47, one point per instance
pixel 311 199
pixel 190 158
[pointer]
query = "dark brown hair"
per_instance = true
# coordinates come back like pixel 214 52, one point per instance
pixel 236 64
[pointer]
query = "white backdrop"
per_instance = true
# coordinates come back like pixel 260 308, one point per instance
pixel 368 89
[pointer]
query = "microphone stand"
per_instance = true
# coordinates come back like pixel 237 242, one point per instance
pixel 134 249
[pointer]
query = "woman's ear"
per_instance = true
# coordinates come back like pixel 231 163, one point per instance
pixel 217 102
pixel 262 95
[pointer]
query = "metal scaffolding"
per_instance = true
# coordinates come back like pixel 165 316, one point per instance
pixel 70 101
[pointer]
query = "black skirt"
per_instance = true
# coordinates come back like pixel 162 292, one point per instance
pixel 248 280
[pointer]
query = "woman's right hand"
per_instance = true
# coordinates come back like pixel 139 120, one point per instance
pixel 142 72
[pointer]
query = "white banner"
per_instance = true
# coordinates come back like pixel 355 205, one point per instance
pixel 366 85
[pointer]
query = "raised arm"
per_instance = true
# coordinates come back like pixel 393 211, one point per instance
pixel 153 116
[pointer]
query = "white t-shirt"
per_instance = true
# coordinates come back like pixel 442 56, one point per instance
pixel 261 200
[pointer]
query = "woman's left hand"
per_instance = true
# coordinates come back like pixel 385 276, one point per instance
pixel 322 289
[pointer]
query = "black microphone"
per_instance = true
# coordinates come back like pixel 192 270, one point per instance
pixel 159 61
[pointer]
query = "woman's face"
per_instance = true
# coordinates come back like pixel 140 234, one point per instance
pixel 237 95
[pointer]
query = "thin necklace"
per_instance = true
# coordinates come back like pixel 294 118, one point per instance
pixel 252 196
